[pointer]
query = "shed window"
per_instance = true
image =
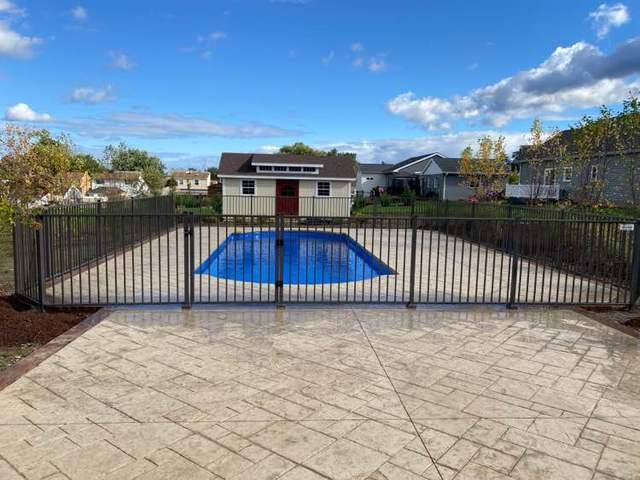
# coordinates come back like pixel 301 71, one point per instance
pixel 595 173
pixel 248 187
pixel 324 189
pixel 567 174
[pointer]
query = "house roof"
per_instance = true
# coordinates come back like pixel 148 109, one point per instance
pixel 121 175
pixel 243 165
pixel 410 161
pixel 374 167
pixel 190 175
pixel 109 192
pixel 447 165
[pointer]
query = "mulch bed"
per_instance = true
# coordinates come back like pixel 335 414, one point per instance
pixel 627 321
pixel 21 324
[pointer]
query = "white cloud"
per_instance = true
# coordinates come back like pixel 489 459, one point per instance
pixel 21 112
pixel 395 150
pixel 121 61
pixel 80 14
pixel 357 47
pixel 579 76
pixel 377 64
pixel 329 58
pixel 92 96
pixel 154 125
pixel 10 8
pixel 607 17
pixel 13 44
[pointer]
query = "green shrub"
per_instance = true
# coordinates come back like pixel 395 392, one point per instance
pixel 408 197
pixel 385 200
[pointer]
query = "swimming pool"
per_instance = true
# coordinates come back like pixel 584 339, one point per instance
pixel 309 258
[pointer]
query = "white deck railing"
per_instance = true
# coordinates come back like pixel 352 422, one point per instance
pixel 533 191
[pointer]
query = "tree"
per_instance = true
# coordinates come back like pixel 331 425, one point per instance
pixel 172 183
pixel 123 157
pixel 300 148
pixel 485 170
pixel 214 172
pixel 536 160
pixel 84 162
pixel 32 164
pixel 629 141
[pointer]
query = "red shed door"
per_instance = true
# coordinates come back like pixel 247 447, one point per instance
pixel 287 197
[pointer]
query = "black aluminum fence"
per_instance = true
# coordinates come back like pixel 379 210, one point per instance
pixel 168 258
pixel 71 238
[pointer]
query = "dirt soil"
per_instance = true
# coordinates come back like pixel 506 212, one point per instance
pixel 22 328
pixel 627 321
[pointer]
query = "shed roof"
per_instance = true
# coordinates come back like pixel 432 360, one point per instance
pixel 243 165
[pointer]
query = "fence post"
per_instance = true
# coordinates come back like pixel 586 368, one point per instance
pixel 635 267
pixel 188 234
pixel 279 281
pixel 515 259
pixel 99 229
pixel 412 274
pixel 40 262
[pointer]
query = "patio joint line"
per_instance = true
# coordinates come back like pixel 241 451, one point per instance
pixel 415 427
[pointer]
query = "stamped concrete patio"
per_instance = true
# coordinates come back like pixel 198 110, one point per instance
pixel 330 394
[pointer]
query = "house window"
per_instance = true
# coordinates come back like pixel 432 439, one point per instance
pixel 549 176
pixel 309 169
pixel 567 174
pixel 324 189
pixel 595 173
pixel 369 179
pixel 197 182
pixel 248 187
pixel 280 169
pixel 295 169
pixel 265 168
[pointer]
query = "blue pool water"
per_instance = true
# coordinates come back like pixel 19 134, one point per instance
pixel 309 258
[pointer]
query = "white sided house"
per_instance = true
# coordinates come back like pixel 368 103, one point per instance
pixel 130 183
pixel 270 184
pixel 192 182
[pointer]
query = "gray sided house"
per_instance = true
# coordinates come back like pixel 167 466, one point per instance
pixel 441 179
pixel 394 178
pixel 605 177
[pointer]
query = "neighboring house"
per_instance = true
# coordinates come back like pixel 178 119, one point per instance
pixel 107 194
pixel 79 180
pixel 604 176
pixel 130 183
pixel 441 179
pixel 371 176
pixel 268 184
pixel 192 182
pixel 429 174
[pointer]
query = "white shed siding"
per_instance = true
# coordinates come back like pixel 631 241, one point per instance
pixel 264 201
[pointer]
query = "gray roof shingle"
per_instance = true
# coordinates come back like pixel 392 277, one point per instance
pixel 342 166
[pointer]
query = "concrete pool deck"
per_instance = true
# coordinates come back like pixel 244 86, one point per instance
pixel 334 393
pixel 448 271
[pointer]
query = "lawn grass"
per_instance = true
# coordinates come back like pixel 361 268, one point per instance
pixel 464 209
pixel 6 259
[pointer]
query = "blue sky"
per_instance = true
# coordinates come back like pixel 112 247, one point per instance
pixel 188 80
